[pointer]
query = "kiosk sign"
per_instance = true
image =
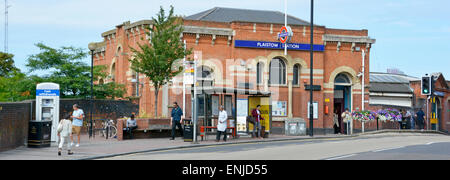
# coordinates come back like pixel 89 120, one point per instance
pixel 285 34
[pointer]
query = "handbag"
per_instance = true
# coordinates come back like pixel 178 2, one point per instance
pixel 251 119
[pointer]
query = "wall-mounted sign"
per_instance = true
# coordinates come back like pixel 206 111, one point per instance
pixel 279 108
pixel 277 45
pixel 285 34
pixel 315 87
pixel 315 110
pixel 47 92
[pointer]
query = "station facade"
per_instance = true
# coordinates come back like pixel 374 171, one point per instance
pixel 238 48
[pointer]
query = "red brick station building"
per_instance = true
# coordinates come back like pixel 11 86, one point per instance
pixel 240 49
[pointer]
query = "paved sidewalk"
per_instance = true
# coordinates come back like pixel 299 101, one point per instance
pixel 100 147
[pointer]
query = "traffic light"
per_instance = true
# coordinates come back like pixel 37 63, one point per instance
pixel 426 85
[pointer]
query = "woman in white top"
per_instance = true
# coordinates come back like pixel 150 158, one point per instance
pixel 64 133
pixel 222 124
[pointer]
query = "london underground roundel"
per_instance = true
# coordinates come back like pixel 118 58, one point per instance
pixel 285 34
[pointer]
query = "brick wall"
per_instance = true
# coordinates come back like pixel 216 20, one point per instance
pixel 14 118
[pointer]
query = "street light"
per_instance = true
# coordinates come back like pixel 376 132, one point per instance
pixel 311 104
pixel 92 47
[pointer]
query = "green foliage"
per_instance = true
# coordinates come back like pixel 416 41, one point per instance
pixel 18 87
pixel 6 64
pixel 157 59
pixel 65 67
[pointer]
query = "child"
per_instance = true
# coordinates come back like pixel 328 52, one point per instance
pixel 64 133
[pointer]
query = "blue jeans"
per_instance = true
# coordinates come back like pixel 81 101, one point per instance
pixel 257 125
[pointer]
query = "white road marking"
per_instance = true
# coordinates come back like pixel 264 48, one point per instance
pixel 387 149
pixel 430 143
pixel 341 157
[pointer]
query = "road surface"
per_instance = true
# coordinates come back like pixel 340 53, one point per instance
pixel 392 146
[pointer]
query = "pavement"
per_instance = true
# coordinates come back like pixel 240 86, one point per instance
pixel 100 148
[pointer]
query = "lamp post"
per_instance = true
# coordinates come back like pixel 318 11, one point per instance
pixel 92 47
pixel 311 104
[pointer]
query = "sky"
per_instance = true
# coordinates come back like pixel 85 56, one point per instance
pixel 412 35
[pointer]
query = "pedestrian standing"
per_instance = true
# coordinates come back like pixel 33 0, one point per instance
pixel 64 133
pixel 176 120
pixel 347 121
pixel 413 120
pixel 336 122
pixel 256 113
pixel 401 120
pixel 420 117
pixel 222 124
pixel 407 120
pixel 77 116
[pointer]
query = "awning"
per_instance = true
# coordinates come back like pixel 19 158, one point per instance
pixel 441 94
pixel 226 90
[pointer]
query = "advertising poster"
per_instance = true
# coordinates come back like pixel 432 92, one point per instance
pixel 215 105
pixel 279 108
pixel 242 113
pixel 265 110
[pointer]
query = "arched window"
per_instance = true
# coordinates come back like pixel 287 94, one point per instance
pixel 296 76
pixel 113 72
pixel 204 73
pixel 342 79
pixel 277 72
pixel 259 73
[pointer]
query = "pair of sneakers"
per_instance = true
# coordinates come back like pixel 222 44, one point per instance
pixel 77 145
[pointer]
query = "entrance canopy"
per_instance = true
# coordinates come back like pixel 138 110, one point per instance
pixel 225 90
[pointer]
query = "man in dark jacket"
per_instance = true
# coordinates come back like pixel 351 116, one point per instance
pixel 420 118
pixel 256 113
pixel 176 119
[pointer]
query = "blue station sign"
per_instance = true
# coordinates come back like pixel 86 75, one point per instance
pixel 277 45
pixel 45 92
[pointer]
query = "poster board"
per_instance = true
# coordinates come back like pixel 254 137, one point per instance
pixel 265 111
pixel 242 113
pixel 315 110
pixel 229 105
pixel 215 105
pixel 279 108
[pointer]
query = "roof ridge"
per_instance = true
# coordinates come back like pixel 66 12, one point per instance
pixel 208 13
pixel 293 17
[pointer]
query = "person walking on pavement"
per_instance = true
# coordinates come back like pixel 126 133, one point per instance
pixel 420 117
pixel 64 133
pixel 256 113
pixel 347 121
pixel 222 124
pixel 77 116
pixel 176 120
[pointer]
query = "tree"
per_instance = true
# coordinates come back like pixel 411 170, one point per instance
pixel 65 67
pixel 6 64
pixel 157 59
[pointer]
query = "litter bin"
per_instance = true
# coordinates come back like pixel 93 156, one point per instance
pixel 188 131
pixel 39 134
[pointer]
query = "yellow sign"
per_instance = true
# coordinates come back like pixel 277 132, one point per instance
pixel 433 121
pixel 265 111
pixel 327 100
